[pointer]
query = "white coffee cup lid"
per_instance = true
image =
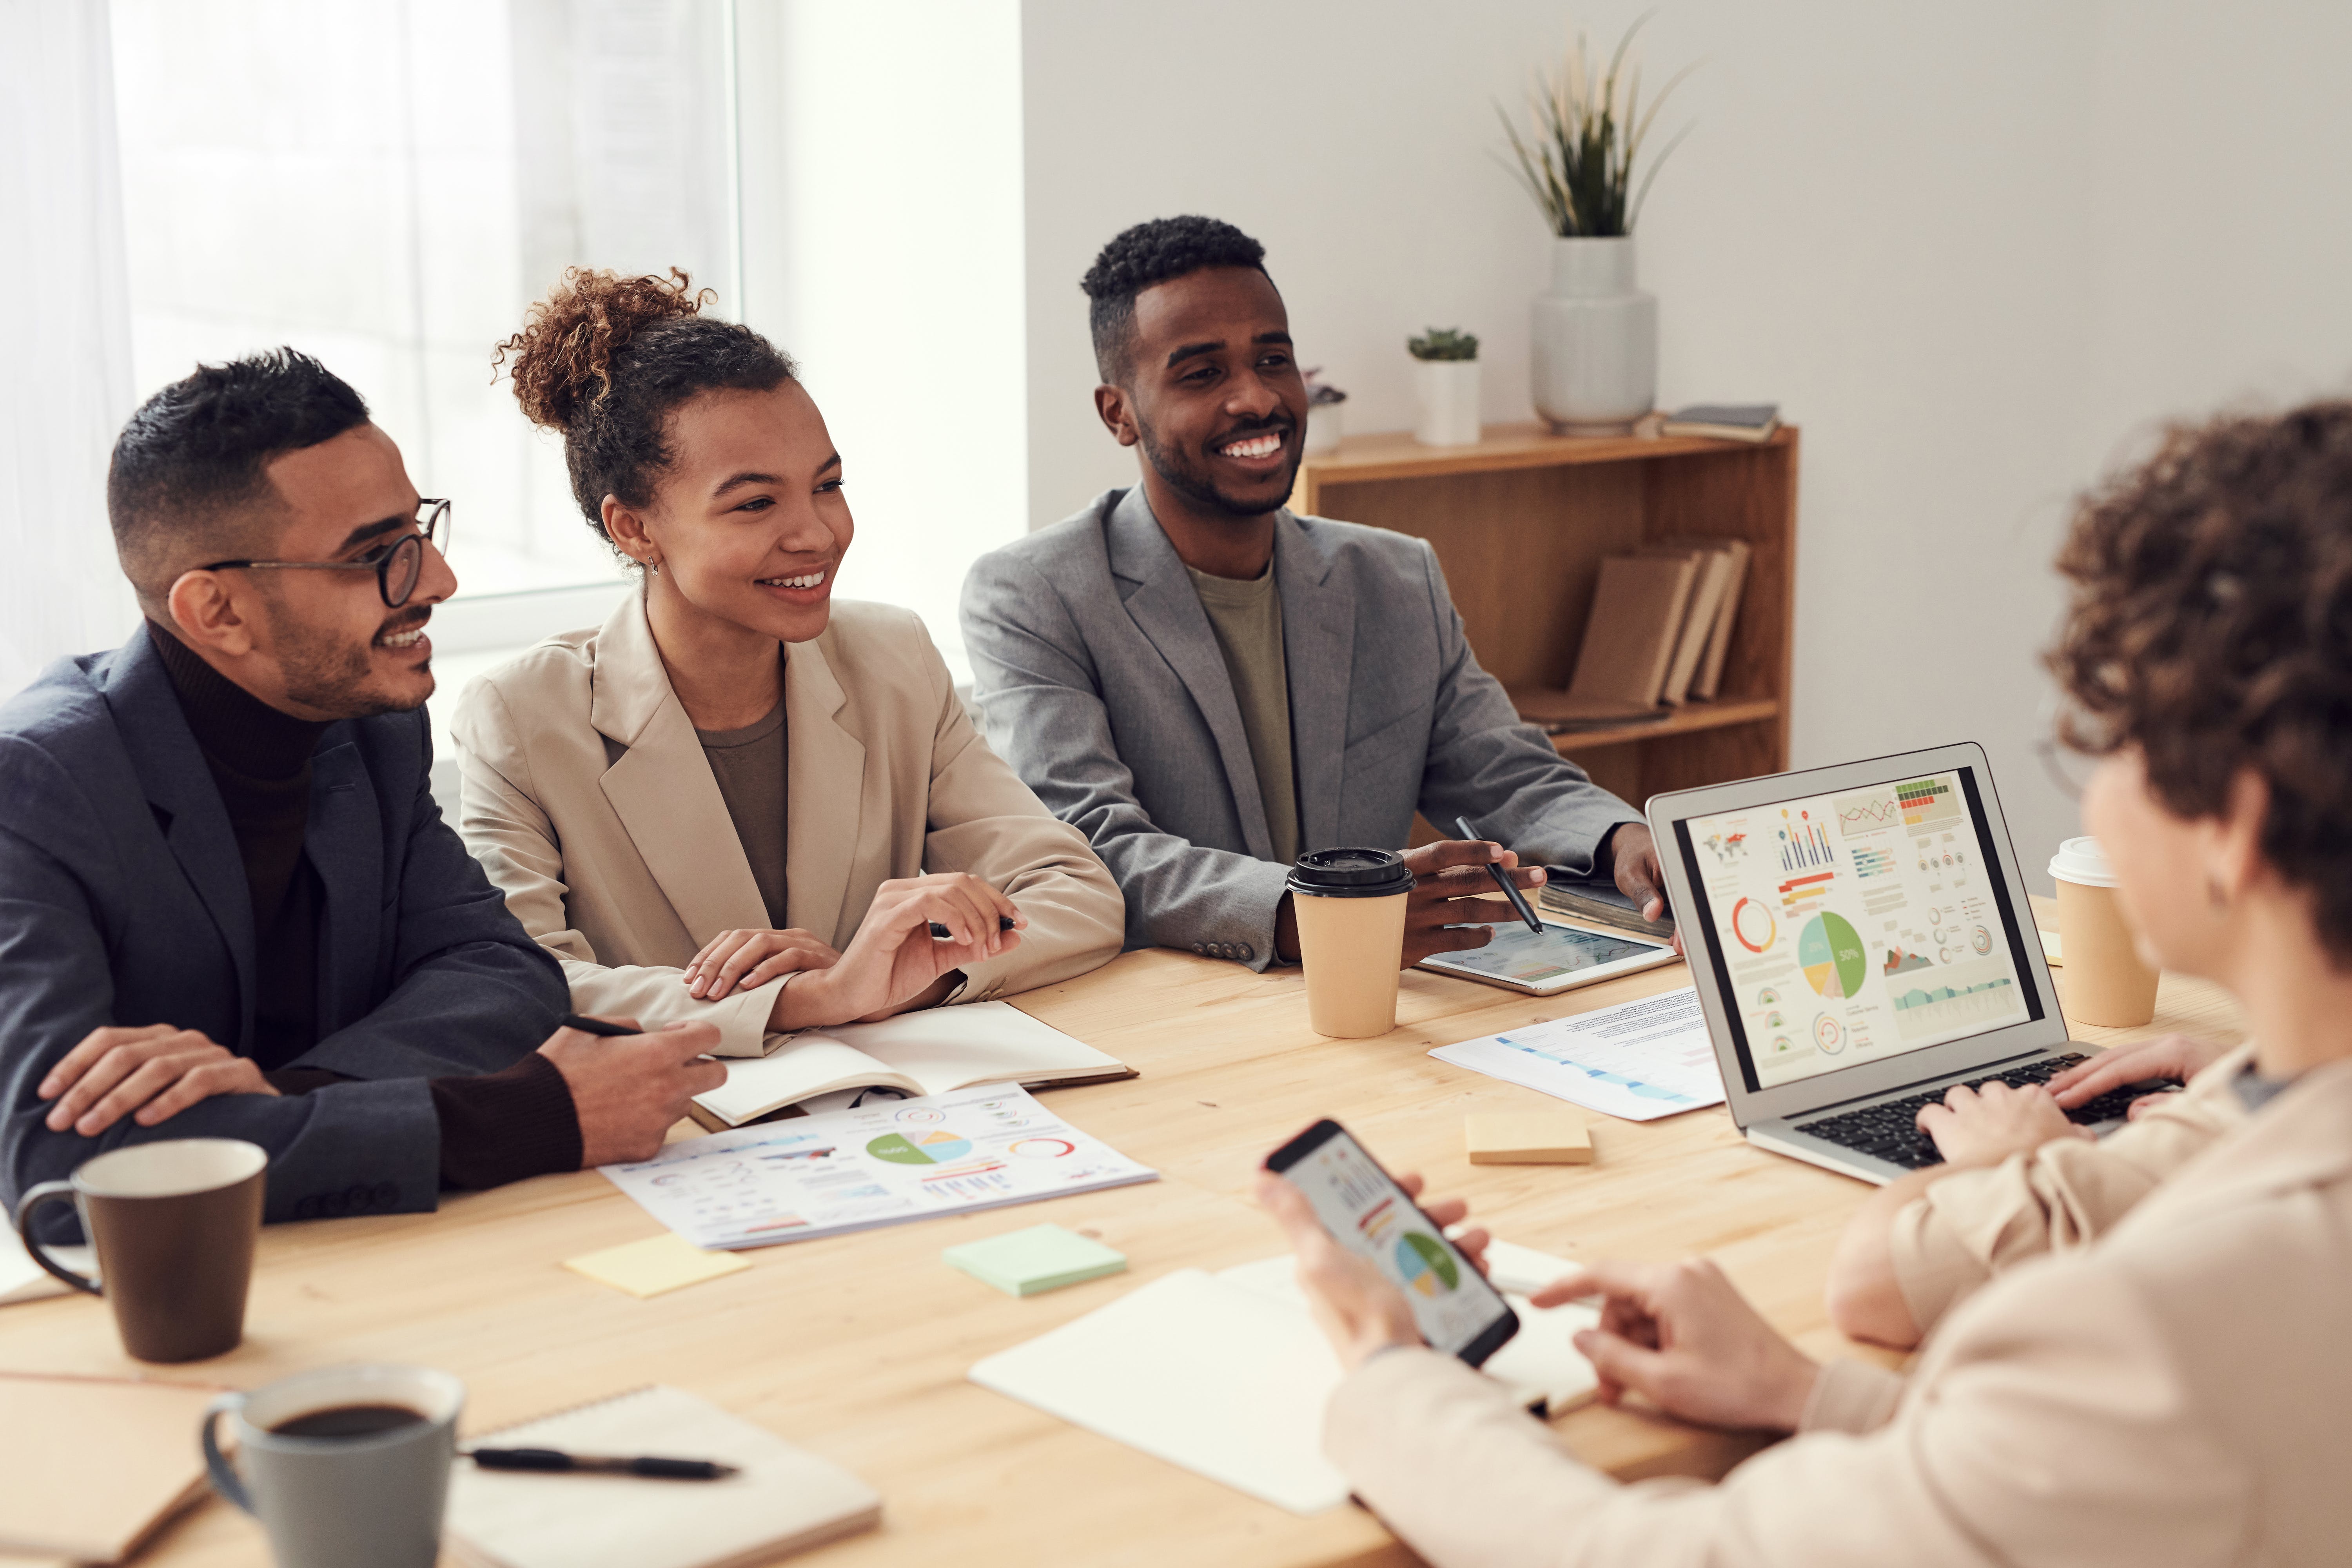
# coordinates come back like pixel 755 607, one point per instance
pixel 2082 862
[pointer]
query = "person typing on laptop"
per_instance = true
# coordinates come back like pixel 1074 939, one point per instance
pixel 2173 1391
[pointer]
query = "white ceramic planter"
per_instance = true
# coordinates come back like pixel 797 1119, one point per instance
pixel 1323 428
pixel 1448 392
pixel 1594 353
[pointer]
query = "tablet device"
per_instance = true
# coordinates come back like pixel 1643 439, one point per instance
pixel 1560 959
pixel 1366 1212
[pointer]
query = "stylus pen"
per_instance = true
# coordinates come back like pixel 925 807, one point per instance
pixel 597 1025
pixel 555 1459
pixel 1502 878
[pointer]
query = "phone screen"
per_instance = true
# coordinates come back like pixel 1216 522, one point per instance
pixel 1360 1205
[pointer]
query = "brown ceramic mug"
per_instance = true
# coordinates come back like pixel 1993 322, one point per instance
pixel 172 1225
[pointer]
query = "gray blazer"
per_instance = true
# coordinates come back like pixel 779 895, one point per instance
pixel 1101 683
pixel 123 901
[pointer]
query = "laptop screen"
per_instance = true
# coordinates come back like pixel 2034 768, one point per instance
pixel 1848 928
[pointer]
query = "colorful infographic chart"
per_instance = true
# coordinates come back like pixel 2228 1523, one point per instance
pixel 1873 898
pixel 939 1148
pixel 1423 1265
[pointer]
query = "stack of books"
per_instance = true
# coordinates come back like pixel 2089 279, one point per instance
pixel 1661 624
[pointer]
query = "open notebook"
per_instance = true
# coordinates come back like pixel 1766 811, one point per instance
pixel 1227 1376
pixel 935 1051
pixel 785 1499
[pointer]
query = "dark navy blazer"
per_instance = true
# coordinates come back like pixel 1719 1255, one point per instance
pixel 123 901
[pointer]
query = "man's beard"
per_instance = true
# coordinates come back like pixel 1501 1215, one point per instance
pixel 1179 473
pixel 324 672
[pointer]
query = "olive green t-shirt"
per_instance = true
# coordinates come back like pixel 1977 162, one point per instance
pixel 750 764
pixel 1247 618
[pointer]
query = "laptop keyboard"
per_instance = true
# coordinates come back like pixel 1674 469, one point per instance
pixel 1890 1130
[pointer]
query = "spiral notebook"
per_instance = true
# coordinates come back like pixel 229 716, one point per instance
pixel 786 1499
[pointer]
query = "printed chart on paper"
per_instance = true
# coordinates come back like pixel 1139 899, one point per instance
pixel 1639 1060
pixel 802 1177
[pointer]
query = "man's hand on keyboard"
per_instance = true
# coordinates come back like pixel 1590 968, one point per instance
pixel 1984 1127
pixel 2172 1056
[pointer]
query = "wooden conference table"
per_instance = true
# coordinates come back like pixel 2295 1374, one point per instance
pixel 856 1347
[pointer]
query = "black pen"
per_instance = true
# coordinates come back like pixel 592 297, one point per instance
pixel 553 1460
pixel 1502 878
pixel 593 1027
pixel 941 933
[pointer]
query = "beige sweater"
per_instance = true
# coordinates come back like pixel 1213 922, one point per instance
pixel 2178 1392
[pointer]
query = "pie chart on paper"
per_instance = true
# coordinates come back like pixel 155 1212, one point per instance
pixel 1829 950
pixel 939 1147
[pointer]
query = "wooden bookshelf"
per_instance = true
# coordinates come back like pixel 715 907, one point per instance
pixel 1520 522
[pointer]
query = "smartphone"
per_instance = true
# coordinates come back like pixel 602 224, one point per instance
pixel 1367 1213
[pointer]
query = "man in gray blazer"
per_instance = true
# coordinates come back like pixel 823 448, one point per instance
pixel 228 907
pixel 1208 685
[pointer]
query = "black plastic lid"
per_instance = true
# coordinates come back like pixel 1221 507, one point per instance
pixel 1350 874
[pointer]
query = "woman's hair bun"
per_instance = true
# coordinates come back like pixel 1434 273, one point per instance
pixel 563 356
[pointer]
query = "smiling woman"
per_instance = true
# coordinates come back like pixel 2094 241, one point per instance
pixel 738 799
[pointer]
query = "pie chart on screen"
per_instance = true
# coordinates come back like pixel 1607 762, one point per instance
pixel 1753 925
pixel 1829 950
pixel 1421 1261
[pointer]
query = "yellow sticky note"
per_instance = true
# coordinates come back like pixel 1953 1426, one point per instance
pixel 657 1264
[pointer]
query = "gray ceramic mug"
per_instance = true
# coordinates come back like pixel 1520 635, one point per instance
pixel 370 1499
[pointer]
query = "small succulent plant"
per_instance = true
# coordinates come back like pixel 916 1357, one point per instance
pixel 1443 342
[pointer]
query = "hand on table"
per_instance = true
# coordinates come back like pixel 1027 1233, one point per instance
pixel 737 960
pixel 1358 1308
pixel 1683 1338
pixel 629 1090
pixel 1634 862
pixel 2170 1056
pixel 150 1075
pixel 1984 1127
pixel 1446 874
pixel 894 961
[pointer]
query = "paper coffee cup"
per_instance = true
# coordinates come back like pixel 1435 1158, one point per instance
pixel 1350 909
pixel 2107 984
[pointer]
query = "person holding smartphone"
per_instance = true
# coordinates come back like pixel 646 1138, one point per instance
pixel 2173 1391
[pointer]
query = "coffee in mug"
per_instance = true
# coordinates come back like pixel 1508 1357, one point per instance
pixel 2108 983
pixel 1349 904
pixel 172 1225
pixel 345 1468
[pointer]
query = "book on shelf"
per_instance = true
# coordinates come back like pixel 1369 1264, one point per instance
pixel 1755 422
pixel 1630 639
pixel 1596 901
pixel 1699 615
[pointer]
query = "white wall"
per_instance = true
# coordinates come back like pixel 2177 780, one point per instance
pixel 1968 250
pixel 883 234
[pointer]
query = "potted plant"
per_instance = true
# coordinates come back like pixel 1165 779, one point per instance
pixel 1594 353
pixel 1324 402
pixel 1445 381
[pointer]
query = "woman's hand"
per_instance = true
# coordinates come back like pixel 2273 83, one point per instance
pixel 737 961
pixel 2171 1055
pixel 1359 1311
pixel 1984 1127
pixel 894 960
pixel 1680 1336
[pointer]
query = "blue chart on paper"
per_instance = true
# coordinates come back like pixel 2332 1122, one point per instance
pixel 1599 1074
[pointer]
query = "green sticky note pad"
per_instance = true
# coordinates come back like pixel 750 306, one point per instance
pixel 1029 1262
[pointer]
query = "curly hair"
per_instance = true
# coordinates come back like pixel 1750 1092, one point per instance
pixel 1152 253
pixel 186 482
pixel 2211 629
pixel 606 360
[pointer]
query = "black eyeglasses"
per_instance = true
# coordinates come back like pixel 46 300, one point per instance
pixel 397 566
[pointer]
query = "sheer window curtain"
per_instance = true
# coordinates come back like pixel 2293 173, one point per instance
pixel 65 337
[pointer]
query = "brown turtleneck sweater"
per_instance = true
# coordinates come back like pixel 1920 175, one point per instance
pixel 496 1127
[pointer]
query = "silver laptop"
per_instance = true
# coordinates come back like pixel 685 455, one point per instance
pixel 1861 942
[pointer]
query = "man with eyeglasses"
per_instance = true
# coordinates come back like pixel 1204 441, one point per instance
pixel 228 906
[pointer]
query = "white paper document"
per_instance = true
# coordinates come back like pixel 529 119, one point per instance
pixel 1227 1376
pixel 22 1279
pixel 879 1165
pixel 1639 1060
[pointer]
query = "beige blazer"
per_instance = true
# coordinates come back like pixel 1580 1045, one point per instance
pixel 2178 1392
pixel 624 869
pixel 1960 1232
